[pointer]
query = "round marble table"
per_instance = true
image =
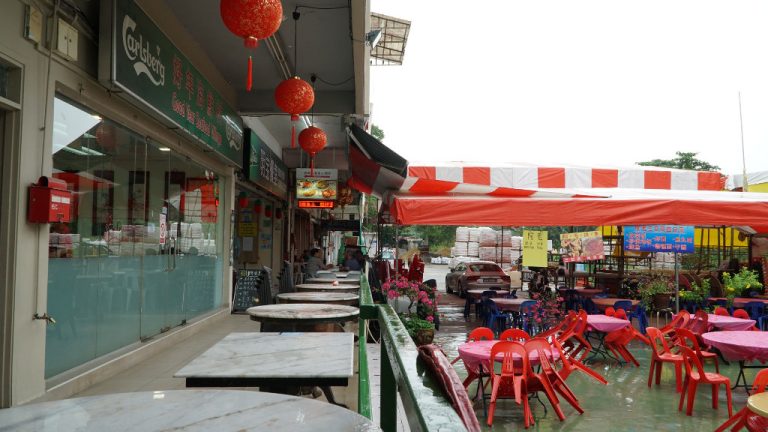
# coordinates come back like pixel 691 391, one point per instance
pixel 302 317
pixel 192 410
pixel 349 280
pixel 342 298
pixel 318 287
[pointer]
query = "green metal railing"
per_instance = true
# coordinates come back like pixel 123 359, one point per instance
pixel 402 372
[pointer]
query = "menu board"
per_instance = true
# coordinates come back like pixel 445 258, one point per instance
pixel 250 290
pixel 659 238
pixel 321 186
pixel 535 248
pixel 582 246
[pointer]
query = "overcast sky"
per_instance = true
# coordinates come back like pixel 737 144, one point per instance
pixel 606 83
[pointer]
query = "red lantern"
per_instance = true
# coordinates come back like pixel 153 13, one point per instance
pixel 312 140
pixel 252 20
pixel 257 207
pixel 242 200
pixel 279 213
pixel 294 96
pixel 268 211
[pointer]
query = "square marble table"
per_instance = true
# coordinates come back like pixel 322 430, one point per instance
pixel 273 360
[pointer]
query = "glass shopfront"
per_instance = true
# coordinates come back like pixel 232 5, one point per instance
pixel 143 252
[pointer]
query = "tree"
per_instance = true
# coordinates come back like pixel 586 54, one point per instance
pixel 377 132
pixel 684 160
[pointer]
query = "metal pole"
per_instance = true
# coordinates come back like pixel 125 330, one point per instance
pixel 744 182
pixel 677 285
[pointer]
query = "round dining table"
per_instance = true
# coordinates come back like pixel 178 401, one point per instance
pixel 349 280
pixel 603 303
pixel 188 410
pixel 510 304
pixel 605 324
pixel 742 346
pixel 302 317
pixel 589 292
pixel 318 287
pixel 724 322
pixel 478 353
pixel 342 298
pixel 476 293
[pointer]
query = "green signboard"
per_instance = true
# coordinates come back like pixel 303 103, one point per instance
pixel 264 167
pixel 141 61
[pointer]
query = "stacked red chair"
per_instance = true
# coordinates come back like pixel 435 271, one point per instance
pixel 513 379
pixel 687 338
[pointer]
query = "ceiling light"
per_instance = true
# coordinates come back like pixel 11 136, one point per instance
pixel 164 149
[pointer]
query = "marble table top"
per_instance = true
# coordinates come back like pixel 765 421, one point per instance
pixel 304 312
pixel 188 410
pixel 275 355
pixel 318 297
pixel 346 288
pixel 350 280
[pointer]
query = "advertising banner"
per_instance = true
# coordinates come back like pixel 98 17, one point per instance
pixel 659 238
pixel 535 248
pixel 264 167
pixel 582 246
pixel 138 58
pixel 322 186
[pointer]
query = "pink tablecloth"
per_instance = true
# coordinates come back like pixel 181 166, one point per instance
pixel 605 324
pixel 739 345
pixel 506 304
pixel 723 322
pixel 475 353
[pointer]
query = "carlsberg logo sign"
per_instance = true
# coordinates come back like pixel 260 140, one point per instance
pixel 140 52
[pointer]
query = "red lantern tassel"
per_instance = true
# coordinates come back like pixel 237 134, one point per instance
pixel 249 83
pixel 312 166
pixel 294 119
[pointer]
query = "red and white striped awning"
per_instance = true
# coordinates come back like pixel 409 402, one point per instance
pixel 537 177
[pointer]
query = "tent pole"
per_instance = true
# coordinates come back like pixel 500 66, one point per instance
pixel 677 285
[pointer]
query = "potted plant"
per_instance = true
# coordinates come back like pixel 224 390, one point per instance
pixel 421 330
pixel 401 294
pixel 738 283
pixel 697 295
pixel 656 291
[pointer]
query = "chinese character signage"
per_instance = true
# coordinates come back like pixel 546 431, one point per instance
pixel 582 246
pixel 136 57
pixel 264 167
pixel 322 186
pixel 659 238
pixel 534 248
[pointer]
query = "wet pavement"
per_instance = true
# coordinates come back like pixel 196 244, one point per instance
pixel 625 404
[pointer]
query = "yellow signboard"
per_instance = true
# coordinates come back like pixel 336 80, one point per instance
pixel 534 248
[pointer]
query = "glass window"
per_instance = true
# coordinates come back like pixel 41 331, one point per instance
pixel 484 268
pixel 143 250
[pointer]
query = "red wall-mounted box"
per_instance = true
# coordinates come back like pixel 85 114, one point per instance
pixel 49 201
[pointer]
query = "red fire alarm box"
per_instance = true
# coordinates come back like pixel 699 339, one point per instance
pixel 49 201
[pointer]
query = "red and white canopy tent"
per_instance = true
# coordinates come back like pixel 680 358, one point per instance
pixel 529 195
pixel 525 195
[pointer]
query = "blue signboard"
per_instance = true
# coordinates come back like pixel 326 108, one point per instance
pixel 659 238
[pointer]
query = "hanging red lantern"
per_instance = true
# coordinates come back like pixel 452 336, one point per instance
pixel 279 213
pixel 242 200
pixel 268 211
pixel 294 96
pixel 312 140
pixel 257 206
pixel 252 20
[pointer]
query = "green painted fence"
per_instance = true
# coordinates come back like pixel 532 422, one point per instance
pixel 402 371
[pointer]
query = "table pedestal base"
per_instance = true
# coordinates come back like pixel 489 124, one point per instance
pixel 742 378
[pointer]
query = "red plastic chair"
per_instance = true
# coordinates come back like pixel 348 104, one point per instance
pixel 699 324
pixel 743 314
pixel 610 311
pixel 617 341
pixel 514 334
pixel 738 420
pixel 695 377
pixel 621 314
pixel 547 380
pixel 574 341
pixel 513 379
pixel 660 355
pixel 570 365
pixel 685 337
pixel 680 320
pixel 721 311
pixel 479 333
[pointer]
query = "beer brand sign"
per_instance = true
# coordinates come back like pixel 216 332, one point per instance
pixel 139 60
